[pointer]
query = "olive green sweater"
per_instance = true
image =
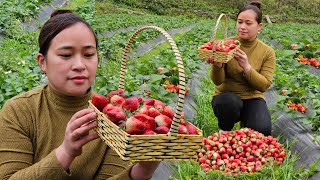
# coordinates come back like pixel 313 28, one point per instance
pixel 254 83
pixel 32 126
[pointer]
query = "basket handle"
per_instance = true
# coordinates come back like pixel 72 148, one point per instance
pixel 182 80
pixel 216 28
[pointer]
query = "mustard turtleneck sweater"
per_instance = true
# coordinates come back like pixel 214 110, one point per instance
pixel 32 126
pixel 253 84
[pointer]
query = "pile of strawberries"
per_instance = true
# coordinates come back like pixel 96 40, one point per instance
pixel 239 151
pixel 139 116
pixel 174 88
pixel 312 62
pixel 298 106
pixel 221 46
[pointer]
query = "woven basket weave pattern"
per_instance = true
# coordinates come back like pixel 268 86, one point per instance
pixel 171 146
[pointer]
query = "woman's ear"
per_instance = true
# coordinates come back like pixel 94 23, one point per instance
pixel 259 26
pixel 42 62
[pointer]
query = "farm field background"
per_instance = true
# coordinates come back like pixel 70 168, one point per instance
pixel 294 36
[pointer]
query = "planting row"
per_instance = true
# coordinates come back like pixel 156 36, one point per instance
pixel 109 22
pixel 300 92
pixel 14 12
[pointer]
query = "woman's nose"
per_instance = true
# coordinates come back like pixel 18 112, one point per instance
pixel 78 63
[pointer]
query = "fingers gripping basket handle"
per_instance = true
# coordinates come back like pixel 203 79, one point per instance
pixel 182 81
pixel 216 29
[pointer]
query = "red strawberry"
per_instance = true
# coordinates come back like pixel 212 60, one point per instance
pixel 149 102
pixel 107 108
pixel 170 87
pixel 134 126
pixel 115 114
pixel 139 99
pixel 159 108
pixel 182 129
pixel 191 129
pixel 162 130
pixel 144 110
pixel 119 92
pixel 131 104
pixel 183 121
pixel 117 100
pixel 168 111
pixel 149 122
pixel 153 112
pixel 160 69
pixel 149 132
pixel 157 102
pixel 99 101
pixel 163 120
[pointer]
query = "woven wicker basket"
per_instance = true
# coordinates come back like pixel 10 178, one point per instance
pixel 171 146
pixel 217 56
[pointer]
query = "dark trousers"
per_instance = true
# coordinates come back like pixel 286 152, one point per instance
pixel 229 108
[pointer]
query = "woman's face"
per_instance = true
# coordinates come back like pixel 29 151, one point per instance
pixel 72 60
pixel 247 25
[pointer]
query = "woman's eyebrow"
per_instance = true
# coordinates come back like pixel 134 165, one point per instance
pixel 70 47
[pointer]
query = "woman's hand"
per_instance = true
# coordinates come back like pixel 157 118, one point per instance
pixel 211 61
pixel 144 170
pixel 242 60
pixel 76 136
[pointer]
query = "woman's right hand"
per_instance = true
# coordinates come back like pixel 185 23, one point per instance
pixel 211 61
pixel 76 136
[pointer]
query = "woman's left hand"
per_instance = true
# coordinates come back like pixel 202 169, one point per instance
pixel 242 60
pixel 144 169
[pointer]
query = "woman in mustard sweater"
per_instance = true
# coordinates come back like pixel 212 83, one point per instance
pixel 241 82
pixel 46 133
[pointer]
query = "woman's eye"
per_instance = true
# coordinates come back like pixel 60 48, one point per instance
pixel 89 55
pixel 65 55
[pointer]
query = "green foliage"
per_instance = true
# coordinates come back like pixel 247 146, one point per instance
pixel 280 10
pixel 14 12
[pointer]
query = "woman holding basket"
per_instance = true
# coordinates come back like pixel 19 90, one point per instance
pixel 46 133
pixel 241 82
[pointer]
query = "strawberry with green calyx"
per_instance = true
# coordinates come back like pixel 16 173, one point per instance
pixel 99 101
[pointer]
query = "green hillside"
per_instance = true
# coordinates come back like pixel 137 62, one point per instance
pixel 279 10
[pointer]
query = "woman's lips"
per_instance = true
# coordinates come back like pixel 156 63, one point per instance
pixel 79 79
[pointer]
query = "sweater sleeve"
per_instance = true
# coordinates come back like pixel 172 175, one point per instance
pixel 16 149
pixel 217 74
pixel 262 80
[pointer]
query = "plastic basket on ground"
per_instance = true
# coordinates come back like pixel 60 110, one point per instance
pixel 218 55
pixel 158 147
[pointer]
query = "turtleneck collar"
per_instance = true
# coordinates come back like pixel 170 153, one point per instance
pixel 247 43
pixel 68 102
